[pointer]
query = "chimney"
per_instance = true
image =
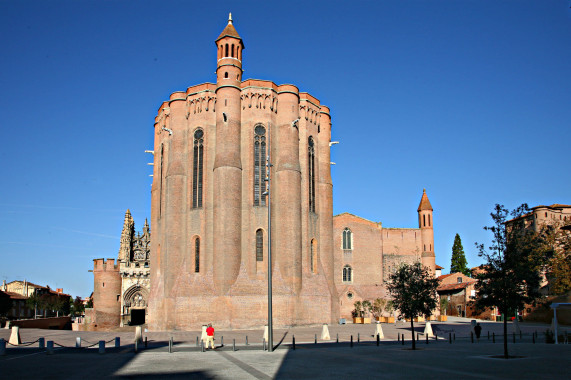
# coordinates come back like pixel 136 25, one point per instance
pixel 59 290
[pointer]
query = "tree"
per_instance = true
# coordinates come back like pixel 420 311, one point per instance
pixel 5 304
pixel 414 292
pixel 367 307
pixel 443 305
pixel 459 263
pixel 78 307
pixel 379 307
pixel 510 277
pixel 558 252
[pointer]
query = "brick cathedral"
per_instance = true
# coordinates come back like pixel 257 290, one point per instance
pixel 209 213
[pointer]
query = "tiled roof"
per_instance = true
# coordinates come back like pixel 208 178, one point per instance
pixel 16 296
pixel 229 31
pixel 444 276
pixel 424 202
pixel 457 286
pixel 438 267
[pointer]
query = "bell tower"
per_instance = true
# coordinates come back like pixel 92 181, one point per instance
pixel 427 232
pixel 227 163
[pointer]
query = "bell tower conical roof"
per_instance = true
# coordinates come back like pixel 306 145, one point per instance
pixel 424 202
pixel 230 31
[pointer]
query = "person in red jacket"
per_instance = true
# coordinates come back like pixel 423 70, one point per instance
pixel 210 335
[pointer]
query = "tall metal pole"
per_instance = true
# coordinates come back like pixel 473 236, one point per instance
pixel 268 192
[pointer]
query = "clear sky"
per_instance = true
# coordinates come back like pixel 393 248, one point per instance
pixel 468 99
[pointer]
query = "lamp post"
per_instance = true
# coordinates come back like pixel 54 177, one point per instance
pixel 268 193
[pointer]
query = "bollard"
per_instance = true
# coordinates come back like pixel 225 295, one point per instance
pixel 378 339
pixel 494 337
pixel 450 337
pixel 170 345
pixel 78 342
pixel 454 336
pixel 417 337
pixel 293 341
pixel 337 338
pixel 136 346
pixel 402 339
pixel 146 342
pixel 263 344
pixel 233 344
pixel 222 341
pixel 398 337
pixel 471 336
pixel 426 338
pixel 533 338
pixel 315 341
pixel 358 337
pixel 2 347
pixel 50 347
pixel 101 346
pixel 351 340
pixel 202 345
pixel 41 343
pixel 436 337
pixel 117 342
pixel 15 339
pixel 246 340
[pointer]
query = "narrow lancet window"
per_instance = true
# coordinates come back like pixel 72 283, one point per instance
pixel 197 255
pixel 311 172
pixel 347 239
pixel 197 168
pixel 259 245
pixel 259 165
pixel 347 274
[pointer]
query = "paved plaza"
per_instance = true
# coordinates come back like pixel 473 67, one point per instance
pixel 326 359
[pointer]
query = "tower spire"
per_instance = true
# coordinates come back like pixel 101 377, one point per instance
pixel 230 18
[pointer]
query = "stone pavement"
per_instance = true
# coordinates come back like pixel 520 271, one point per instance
pixel 323 360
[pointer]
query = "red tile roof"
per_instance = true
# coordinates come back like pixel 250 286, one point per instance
pixel 444 276
pixel 424 202
pixel 438 267
pixel 15 296
pixel 457 286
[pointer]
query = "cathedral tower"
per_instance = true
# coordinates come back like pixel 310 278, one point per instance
pixel 427 232
pixel 227 161
pixel 209 211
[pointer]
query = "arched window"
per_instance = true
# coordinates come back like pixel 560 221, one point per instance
pixel 197 255
pixel 259 245
pixel 347 274
pixel 347 239
pixel 424 220
pixel 428 220
pixel 311 172
pixel 259 165
pixel 226 55
pixel 197 178
pixel 313 256
pixel 226 75
pixel 232 50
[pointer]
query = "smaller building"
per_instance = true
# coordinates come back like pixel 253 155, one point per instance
pixel 459 290
pixel 19 291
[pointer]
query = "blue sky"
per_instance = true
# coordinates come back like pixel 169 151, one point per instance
pixel 468 99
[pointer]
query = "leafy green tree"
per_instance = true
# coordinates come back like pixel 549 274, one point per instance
pixel 459 263
pixel 77 306
pixel 510 277
pixel 367 307
pixel 5 304
pixel 414 292
pixel 443 305
pixel 379 306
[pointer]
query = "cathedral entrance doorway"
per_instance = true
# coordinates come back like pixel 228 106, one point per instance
pixel 137 317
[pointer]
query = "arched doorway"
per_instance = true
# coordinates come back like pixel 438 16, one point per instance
pixel 135 303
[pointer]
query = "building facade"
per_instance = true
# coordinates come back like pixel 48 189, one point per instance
pixel 121 289
pixel 366 253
